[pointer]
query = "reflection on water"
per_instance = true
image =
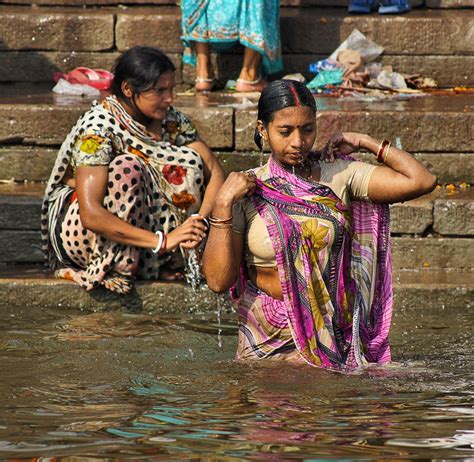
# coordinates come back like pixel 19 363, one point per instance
pixel 138 386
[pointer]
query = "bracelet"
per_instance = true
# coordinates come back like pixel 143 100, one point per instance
pixel 163 246
pixel 221 225
pixel 214 220
pixel 387 150
pixel 160 235
pixel 204 219
pixel 380 151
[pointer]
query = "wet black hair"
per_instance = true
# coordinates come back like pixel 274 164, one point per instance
pixel 281 94
pixel 141 67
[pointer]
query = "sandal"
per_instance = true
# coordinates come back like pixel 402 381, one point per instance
pixel 362 6
pixel 96 78
pixel 250 85
pixel 394 6
pixel 202 84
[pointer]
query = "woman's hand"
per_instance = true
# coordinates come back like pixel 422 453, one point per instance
pixel 236 186
pixel 188 235
pixel 344 143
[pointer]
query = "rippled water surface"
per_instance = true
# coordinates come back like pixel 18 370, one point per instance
pixel 141 386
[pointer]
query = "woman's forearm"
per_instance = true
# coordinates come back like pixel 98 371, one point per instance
pixel 102 222
pixel 215 182
pixel 223 252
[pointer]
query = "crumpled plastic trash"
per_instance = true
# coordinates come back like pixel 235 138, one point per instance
pixel 391 80
pixel 357 41
pixel 324 65
pixel 324 78
pixel 374 69
pixel 355 74
pixel 63 87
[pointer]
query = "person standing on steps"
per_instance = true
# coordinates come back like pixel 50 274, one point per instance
pixel 220 24
pixel 132 182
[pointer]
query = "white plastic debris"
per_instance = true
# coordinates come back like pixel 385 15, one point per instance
pixel 63 87
pixel 357 41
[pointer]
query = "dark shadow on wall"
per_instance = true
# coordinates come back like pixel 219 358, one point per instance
pixel 26 65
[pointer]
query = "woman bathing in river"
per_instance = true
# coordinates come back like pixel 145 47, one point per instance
pixel 126 180
pixel 304 239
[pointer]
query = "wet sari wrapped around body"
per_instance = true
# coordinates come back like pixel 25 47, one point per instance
pixel 334 266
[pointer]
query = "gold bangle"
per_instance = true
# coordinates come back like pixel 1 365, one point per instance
pixel 381 150
pixel 220 220
pixel 387 150
pixel 221 225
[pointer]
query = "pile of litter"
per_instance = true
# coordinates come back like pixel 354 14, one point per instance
pixel 352 69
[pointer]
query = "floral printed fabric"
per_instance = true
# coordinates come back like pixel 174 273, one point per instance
pixel 95 146
pixel 172 181
pixel 223 23
pixel 334 266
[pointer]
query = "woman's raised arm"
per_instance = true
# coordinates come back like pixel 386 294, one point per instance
pixel 400 178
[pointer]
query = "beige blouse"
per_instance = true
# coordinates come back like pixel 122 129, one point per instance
pixel 349 180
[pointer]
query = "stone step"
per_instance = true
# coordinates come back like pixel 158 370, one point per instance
pixel 30 163
pixel 457 253
pixel 430 124
pixel 39 66
pixel 34 288
pixel 437 43
pixel 445 215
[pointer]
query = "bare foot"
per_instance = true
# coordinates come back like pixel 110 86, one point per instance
pixel 69 275
pixel 113 281
pixel 117 283
pixel 171 275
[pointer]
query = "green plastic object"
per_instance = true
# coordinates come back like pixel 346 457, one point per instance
pixel 324 78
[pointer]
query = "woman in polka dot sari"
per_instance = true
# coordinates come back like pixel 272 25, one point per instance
pixel 126 181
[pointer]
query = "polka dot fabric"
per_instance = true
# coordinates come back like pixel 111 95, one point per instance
pixel 152 184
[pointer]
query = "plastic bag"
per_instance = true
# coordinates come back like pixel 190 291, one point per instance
pixel 63 87
pixel 357 41
pixel 324 78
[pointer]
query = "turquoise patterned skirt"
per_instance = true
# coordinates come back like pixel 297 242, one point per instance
pixel 223 23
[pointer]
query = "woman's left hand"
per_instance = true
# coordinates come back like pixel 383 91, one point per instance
pixel 344 143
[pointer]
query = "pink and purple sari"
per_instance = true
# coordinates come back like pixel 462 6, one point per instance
pixel 334 266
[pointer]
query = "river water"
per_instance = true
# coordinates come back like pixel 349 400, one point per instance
pixel 117 385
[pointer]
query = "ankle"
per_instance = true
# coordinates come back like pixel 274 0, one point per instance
pixel 205 71
pixel 249 74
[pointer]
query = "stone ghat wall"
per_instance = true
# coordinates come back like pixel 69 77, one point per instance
pixel 37 41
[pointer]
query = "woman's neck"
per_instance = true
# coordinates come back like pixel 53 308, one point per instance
pixel 152 125
pixel 134 112
pixel 308 169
